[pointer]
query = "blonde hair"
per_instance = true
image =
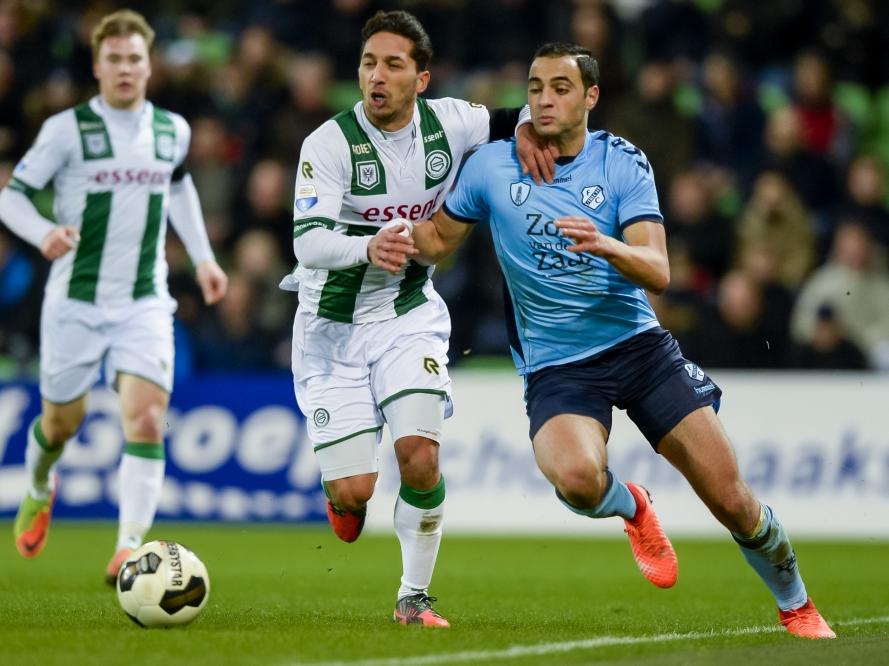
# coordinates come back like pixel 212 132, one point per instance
pixel 121 24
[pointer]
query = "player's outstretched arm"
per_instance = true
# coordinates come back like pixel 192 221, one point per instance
pixel 438 237
pixel 642 259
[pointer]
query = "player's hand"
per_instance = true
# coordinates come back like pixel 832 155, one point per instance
pixel 391 248
pixel 59 241
pixel 212 280
pixel 585 234
pixel 537 156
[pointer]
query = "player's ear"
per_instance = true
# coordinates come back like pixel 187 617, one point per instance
pixel 592 97
pixel 422 81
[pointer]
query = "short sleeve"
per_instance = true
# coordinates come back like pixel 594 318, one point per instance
pixel 50 152
pixel 321 180
pixel 467 201
pixel 632 177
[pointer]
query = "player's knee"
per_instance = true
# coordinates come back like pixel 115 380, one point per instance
pixel 739 508
pixel 58 429
pixel 418 461
pixel 353 493
pixel 582 488
pixel 148 423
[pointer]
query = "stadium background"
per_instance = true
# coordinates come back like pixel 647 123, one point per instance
pixel 768 128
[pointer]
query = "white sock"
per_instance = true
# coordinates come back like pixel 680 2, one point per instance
pixel 419 532
pixel 140 482
pixel 39 461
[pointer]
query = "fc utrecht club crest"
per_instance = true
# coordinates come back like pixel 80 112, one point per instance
pixel 592 197
pixel 519 192
pixel 368 174
pixel 96 143
pixel 694 372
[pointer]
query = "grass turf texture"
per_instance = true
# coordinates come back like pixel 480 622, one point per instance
pixel 284 595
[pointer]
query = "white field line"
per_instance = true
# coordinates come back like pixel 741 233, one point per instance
pixel 481 656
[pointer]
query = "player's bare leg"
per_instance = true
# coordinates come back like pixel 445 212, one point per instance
pixel 347 500
pixel 47 436
pixel 699 448
pixel 570 451
pixel 140 481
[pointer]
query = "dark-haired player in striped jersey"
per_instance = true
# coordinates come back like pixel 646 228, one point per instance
pixel 116 164
pixel 370 337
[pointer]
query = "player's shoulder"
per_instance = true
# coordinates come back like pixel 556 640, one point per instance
pixel 453 105
pixel 61 124
pixel 497 151
pixel 618 151
pixel 178 120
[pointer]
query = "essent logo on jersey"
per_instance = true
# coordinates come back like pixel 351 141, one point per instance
pixel 130 176
pixel 410 211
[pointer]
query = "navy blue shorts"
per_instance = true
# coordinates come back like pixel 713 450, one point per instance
pixel 645 375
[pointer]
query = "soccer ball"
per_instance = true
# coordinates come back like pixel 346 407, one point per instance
pixel 162 584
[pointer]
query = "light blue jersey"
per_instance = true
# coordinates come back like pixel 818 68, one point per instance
pixel 565 306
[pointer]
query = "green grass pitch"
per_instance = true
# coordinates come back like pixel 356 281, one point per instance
pixel 285 596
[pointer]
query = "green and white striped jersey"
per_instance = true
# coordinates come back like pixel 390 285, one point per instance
pixel 111 172
pixel 352 179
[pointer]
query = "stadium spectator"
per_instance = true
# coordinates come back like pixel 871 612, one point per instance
pixel 734 332
pixel 811 174
pixel 854 283
pixel 776 219
pixel 117 166
pixel 693 221
pixel 585 338
pixel 828 347
pixel 729 119
pixel 866 197
pixel 825 129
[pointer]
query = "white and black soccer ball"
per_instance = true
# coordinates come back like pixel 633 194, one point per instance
pixel 163 584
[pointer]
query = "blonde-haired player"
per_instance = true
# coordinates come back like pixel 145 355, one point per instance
pixel 117 168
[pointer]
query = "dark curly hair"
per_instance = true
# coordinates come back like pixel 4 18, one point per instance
pixel 402 23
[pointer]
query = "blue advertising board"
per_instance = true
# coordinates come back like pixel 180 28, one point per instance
pixel 236 450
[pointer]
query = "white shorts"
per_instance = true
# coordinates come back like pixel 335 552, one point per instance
pixel 76 338
pixel 343 374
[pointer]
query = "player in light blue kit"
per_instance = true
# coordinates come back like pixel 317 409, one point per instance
pixel 577 256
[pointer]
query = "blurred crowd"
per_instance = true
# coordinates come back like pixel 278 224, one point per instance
pixel 767 124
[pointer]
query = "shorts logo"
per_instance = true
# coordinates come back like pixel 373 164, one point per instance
pixel 321 417
pixel 306 169
pixel 694 372
pixel 519 192
pixel 437 164
pixel 96 143
pixel 430 365
pixel 368 174
pixel 592 197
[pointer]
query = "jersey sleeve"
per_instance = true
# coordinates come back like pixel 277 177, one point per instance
pixel 630 174
pixel 321 180
pixel 467 201
pixel 50 152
